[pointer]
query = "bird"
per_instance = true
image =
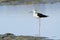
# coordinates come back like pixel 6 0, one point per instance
pixel 38 15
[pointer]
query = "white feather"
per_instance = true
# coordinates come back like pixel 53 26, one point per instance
pixel 35 14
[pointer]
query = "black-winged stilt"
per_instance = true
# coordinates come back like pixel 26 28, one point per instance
pixel 38 15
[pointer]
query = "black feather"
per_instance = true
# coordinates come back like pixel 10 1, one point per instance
pixel 41 15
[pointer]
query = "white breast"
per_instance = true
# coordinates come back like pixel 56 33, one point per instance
pixel 35 15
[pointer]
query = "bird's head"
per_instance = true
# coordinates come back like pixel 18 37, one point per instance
pixel 34 11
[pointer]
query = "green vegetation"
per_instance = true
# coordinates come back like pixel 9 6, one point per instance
pixel 10 36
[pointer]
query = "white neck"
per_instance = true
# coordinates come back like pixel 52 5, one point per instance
pixel 35 13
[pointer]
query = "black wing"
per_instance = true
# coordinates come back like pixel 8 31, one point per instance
pixel 41 15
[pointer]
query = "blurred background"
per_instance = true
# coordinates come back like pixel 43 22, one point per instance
pixel 15 17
